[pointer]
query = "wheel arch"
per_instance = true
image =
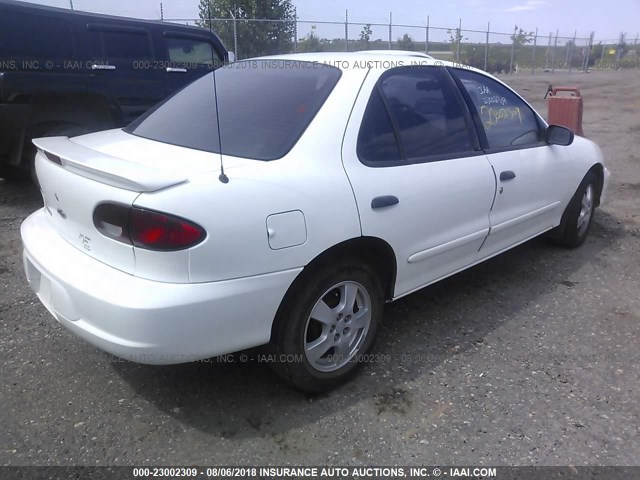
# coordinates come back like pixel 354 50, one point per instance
pixel 373 251
pixel 598 170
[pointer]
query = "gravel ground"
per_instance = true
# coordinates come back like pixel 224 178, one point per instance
pixel 528 359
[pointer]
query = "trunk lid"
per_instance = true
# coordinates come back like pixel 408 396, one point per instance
pixel 78 174
pixel 70 195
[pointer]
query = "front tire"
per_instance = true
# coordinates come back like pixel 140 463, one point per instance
pixel 578 216
pixel 327 322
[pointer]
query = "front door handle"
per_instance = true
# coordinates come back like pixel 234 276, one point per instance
pixel 384 201
pixel 506 176
pixel 100 66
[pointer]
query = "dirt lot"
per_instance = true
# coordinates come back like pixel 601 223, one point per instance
pixel 529 359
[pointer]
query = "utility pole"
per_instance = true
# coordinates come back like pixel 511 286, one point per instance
pixel 426 45
pixel 390 29
pixel 235 30
pixel 486 47
pixel 555 47
pixel 346 31
pixel 533 56
pixel 513 49
pixel 569 60
pixel 587 57
pixel 459 41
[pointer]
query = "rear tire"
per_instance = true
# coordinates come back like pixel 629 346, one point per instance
pixel 328 320
pixel 578 216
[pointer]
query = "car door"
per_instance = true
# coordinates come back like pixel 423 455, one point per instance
pixel 189 57
pixel 420 180
pixel 529 172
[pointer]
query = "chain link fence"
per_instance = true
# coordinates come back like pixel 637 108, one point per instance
pixel 515 52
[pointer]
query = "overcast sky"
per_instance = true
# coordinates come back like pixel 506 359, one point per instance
pixel 606 18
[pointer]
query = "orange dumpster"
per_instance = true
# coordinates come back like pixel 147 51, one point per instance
pixel 566 110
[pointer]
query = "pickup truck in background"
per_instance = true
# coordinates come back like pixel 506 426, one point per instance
pixel 65 72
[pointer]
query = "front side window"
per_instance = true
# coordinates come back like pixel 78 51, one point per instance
pixel 506 120
pixel 184 50
pixel 263 109
pixel 421 110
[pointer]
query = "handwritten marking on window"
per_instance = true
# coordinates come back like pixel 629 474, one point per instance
pixel 489 98
pixel 494 116
pixel 494 100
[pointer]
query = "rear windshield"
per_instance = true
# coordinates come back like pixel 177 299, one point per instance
pixel 264 106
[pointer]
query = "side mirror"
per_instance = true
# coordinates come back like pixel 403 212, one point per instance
pixel 557 135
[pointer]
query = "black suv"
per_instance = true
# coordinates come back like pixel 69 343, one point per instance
pixel 66 72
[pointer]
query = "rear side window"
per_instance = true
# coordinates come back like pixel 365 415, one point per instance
pixel 507 121
pixel 120 44
pixel 420 109
pixel 184 50
pixel 126 45
pixel 377 141
pixel 427 112
pixel 263 107
pixel 34 36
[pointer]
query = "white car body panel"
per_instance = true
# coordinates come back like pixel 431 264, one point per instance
pixel 268 223
pixel 142 320
pixel 532 202
pixel 235 214
pixel 442 218
pixel 69 201
pixel 108 169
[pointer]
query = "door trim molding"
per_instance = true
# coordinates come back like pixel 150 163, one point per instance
pixel 523 218
pixel 458 242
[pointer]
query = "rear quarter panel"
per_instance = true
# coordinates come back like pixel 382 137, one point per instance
pixel 310 179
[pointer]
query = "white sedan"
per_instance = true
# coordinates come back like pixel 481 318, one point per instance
pixel 284 200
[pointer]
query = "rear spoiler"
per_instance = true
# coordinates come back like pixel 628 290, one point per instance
pixel 106 169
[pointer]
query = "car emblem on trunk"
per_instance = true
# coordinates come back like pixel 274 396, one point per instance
pixel 61 213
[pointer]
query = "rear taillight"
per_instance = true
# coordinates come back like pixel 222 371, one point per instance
pixel 159 231
pixel 146 228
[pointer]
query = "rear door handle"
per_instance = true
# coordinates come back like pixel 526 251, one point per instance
pixel 506 176
pixel 176 70
pixel 384 201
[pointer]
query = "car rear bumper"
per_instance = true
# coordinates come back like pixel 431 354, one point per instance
pixel 142 320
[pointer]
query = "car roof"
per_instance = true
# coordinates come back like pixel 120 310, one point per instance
pixel 66 11
pixel 381 59
pixel 396 53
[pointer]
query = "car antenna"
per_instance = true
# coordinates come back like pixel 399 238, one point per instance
pixel 223 178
